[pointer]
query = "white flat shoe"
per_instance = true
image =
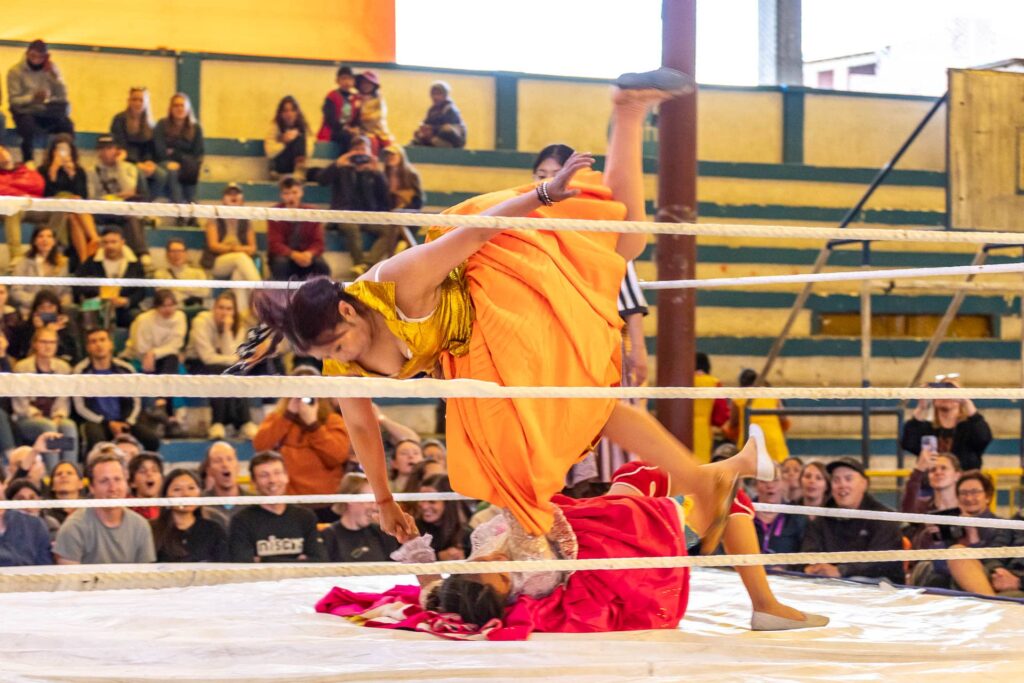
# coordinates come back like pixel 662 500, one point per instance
pixel 762 621
pixel 765 464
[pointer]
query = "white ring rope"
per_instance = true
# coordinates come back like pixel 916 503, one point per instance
pixel 309 499
pixel 156 283
pixel 705 283
pixel 331 498
pixel 841 276
pixel 232 386
pixel 13 205
pixel 110 577
pixel 886 516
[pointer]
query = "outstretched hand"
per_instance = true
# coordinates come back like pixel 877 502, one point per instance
pixel 397 522
pixel 558 187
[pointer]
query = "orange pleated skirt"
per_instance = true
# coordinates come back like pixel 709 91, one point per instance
pixel 545 314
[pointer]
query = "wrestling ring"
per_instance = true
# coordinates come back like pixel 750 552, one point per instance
pixel 207 622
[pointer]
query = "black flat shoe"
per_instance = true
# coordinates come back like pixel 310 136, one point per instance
pixel 664 79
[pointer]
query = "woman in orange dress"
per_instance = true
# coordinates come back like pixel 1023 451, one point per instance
pixel 514 308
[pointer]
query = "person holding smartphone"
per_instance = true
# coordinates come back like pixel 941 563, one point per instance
pixel 65 178
pixel 47 310
pixel 956 424
pixel 38 97
pixel 358 183
pixel 311 436
pixel 36 415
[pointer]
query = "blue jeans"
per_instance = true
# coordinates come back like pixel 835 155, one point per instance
pixel 31 427
pixel 174 189
pixel 7 441
pixel 155 186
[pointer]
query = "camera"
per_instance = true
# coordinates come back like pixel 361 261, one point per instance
pixel 47 318
pixel 60 443
pixel 360 159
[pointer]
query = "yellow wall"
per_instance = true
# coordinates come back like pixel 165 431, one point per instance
pixel 238 99
pixel 98 82
pixel 362 30
pixel 739 126
pixel 731 126
pixel 573 113
pixel 866 132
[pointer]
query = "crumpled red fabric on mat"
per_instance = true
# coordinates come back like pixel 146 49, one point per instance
pixel 590 601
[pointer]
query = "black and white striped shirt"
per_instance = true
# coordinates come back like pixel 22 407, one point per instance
pixel 631 297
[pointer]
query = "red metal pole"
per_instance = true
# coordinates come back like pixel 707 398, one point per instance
pixel 677 203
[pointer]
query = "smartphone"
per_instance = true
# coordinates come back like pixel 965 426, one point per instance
pixel 360 159
pixel 60 443
pixel 47 318
pixel 930 442
pixel 309 401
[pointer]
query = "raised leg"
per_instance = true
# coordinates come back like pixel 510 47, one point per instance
pixel 638 432
pixel 740 538
pixel 624 168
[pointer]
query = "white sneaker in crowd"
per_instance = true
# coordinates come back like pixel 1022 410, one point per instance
pixel 248 430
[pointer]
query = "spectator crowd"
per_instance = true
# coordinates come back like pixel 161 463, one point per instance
pixel 144 158
pixel 109 447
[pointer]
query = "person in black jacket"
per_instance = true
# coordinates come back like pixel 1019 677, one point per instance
pixel 104 418
pixel 443 125
pixel 833 534
pixel 273 533
pixel 66 179
pixel 358 183
pixel 113 260
pixel 355 537
pixel 957 425
pixel 47 311
pixel 181 534
pixel 179 145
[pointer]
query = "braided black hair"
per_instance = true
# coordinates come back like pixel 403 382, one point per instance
pixel 476 602
pixel 306 316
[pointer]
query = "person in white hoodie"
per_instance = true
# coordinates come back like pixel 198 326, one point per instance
pixel 157 338
pixel 212 345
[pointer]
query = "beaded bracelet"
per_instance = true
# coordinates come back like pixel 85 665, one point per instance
pixel 543 196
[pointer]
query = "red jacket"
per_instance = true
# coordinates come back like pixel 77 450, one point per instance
pixel 21 182
pixel 311 235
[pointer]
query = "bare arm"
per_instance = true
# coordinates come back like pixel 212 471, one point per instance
pixel 369 448
pixel 418 272
pixel 396 431
pixel 250 243
pixel 213 239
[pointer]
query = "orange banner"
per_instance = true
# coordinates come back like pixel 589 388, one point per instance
pixel 357 30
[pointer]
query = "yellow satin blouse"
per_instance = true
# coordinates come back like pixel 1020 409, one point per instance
pixel 448 328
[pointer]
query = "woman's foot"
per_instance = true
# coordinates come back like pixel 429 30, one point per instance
pixel 754 460
pixel 779 617
pixel 668 80
pixel 637 102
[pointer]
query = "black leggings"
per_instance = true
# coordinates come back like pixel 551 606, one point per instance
pixel 226 411
pixel 167 365
pixel 54 120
